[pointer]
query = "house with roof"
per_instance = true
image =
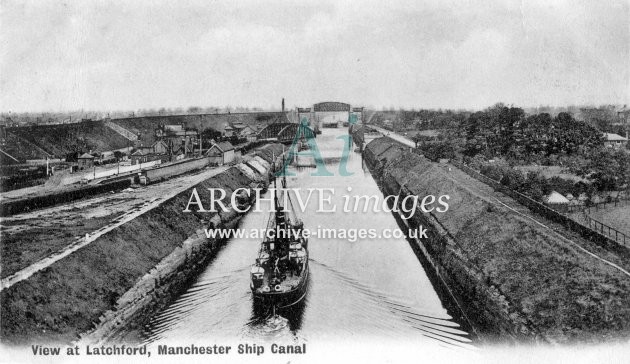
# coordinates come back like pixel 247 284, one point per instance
pixel 615 140
pixel 248 132
pixel 221 153
pixel 623 116
pixel 141 155
pixel 160 147
pixel 176 134
pixel 158 150
pixel 238 126
pixel 85 161
pixel 228 131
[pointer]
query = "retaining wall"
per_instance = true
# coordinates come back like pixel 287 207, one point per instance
pixel 156 174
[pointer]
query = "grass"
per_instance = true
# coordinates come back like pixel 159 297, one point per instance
pixel 615 217
pixel 565 294
pixel 63 300
pixel 552 171
pixel 29 245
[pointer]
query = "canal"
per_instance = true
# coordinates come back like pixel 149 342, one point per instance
pixel 364 289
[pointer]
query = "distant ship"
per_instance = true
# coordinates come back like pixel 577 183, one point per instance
pixel 280 275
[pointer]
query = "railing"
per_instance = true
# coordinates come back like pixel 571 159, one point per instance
pixel 612 233
pixel 615 238
pixel 623 201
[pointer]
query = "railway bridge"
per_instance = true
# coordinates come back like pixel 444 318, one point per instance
pixel 285 132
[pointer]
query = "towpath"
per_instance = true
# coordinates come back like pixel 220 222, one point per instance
pixel 397 137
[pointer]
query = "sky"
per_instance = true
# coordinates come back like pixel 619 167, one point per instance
pixel 120 55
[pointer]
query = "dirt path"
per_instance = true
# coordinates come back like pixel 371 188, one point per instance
pixel 397 137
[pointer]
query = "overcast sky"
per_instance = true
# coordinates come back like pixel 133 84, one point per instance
pixel 62 55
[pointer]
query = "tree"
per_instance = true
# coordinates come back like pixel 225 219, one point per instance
pixel 609 169
pixel 209 134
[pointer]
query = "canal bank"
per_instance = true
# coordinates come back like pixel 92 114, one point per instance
pixel 371 289
pixel 515 279
pixel 126 274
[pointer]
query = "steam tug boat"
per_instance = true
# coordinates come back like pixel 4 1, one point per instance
pixel 280 275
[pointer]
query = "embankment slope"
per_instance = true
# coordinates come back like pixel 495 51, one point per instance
pixel 66 299
pixel 516 279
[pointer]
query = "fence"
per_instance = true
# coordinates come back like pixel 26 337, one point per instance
pixel 623 201
pixel 608 241
pixel 612 233
pixel 572 208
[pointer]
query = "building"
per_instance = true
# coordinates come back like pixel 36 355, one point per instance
pixel 248 133
pixel 624 116
pixel 159 150
pixel 615 141
pixel 85 161
pixel 556 201
pixel 238 126
pixel 160 147
pixel 229 131
pixel 180 152
pixel 221 153
pixel 175 134
pixel 141 155
pixel 177 128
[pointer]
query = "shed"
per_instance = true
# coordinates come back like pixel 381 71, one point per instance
pixel 615 140
pixel 555 198
pixel 142 155
pixel 85 160
pixel 221 153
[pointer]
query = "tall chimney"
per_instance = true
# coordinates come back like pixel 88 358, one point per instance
pixel 283 105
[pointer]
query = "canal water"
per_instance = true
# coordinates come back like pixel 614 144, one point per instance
pixel 358 290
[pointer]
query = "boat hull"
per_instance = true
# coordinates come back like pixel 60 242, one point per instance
pixel 283 299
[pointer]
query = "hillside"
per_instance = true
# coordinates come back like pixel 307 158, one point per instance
pixel 59 140
pixel 145 126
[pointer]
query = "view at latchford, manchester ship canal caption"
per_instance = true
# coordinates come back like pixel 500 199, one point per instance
pixel 331 227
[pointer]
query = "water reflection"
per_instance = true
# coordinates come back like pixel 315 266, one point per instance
pixel 264 316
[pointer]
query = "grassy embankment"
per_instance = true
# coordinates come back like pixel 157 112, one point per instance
pixel 517 278
pixel 67 298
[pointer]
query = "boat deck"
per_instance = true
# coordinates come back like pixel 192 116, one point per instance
pixel 291 281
